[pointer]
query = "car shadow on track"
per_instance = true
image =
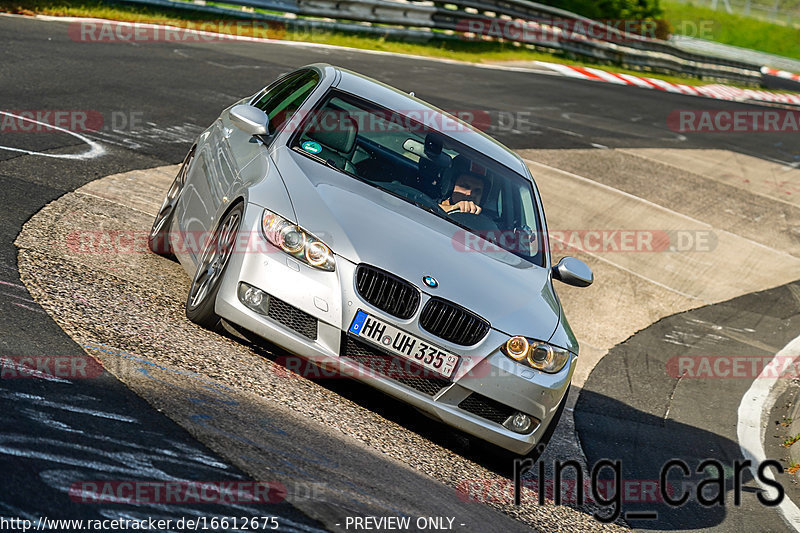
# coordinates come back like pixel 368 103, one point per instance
pixel 672 391
pixel 701 494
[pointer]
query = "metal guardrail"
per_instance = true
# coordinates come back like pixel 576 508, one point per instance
pixel 701 46
pixel 302 24
pixel 455 19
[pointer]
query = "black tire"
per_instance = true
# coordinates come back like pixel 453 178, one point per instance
pixel 202 295
pixel 158 239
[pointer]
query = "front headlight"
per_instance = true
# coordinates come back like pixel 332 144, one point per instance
pixel 297 242
pixel 539 355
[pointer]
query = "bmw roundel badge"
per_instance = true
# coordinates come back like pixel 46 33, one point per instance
pixel 430 281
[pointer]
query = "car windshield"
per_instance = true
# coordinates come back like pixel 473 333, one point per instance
pixel 409 156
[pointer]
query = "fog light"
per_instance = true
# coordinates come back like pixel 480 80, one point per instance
pixel 520 423
pixel 254 298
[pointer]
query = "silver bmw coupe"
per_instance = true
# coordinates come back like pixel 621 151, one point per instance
pixel 366 231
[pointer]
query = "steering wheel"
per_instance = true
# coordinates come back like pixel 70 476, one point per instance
pixel 474 221
pixel 412 194
pixel 425 200
pixel 458 210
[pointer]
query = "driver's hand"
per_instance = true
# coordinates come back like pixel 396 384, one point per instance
pixel 465 206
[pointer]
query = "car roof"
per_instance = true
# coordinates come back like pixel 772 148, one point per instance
pixel 396 100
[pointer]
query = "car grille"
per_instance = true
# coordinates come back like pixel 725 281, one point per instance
pixel 292 317
pixel 452 323
pixel 486 408
pixel 387 292
pixel 400 370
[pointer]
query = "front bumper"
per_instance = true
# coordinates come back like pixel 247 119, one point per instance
pixel 485 385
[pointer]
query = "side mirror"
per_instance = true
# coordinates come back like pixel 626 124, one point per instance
pixel 573 271
pixel 250 119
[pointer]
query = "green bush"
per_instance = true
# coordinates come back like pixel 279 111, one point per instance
pixel 610 9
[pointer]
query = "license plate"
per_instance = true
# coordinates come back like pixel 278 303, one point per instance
pixel 402 344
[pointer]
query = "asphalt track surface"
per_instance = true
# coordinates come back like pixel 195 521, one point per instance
pixel 645 423
pixel 177 90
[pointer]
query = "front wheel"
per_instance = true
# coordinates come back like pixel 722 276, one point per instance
pixel 208 278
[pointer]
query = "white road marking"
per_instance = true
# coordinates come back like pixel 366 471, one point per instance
pixel 642 276
pixel 95 148
pixel 787 166
pixel 698 294
pixel 28 307
pixel 753 410
pixel 658 206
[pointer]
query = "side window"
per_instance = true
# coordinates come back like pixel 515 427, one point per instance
pixel 264 96
pixel 282 100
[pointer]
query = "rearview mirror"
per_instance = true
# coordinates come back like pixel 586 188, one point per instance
pixel 416 147
pixel 573 271
pixel 250 119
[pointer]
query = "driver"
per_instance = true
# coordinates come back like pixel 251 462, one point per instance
pixel 467 194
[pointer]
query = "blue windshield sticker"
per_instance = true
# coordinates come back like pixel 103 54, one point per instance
pixel 311 147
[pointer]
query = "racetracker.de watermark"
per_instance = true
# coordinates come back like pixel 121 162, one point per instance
pixel 381 366
pixel 492 241
pixel 741 121
pixel 551 30
pixel 177 492
pixel 502 490
pixel 733 367
pixel 412 120
pixel 534 30
pixel 69 120
pixel 46 366
pixel 587 240
pixel 206 31
pixel 50 120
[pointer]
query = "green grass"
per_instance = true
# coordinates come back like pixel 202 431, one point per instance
pixel 791 440
pixel 736 30
pixel 459 50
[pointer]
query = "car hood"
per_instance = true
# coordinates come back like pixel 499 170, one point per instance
pixel 366 225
